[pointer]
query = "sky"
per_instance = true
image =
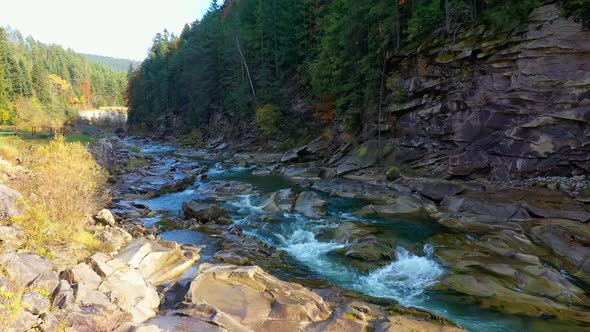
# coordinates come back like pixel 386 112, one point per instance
pixel 116 28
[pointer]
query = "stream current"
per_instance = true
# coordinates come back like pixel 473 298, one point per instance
pixel 406 280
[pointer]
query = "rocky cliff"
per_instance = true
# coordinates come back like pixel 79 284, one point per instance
pixel 495 105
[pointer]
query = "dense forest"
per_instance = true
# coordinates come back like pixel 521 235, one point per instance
pixel 115 64
pixel 44 84
pixel 245 59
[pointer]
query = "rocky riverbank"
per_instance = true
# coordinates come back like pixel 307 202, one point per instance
pixel 520 247
pixel 144 283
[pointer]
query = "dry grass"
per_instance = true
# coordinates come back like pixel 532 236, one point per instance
pixel 65 188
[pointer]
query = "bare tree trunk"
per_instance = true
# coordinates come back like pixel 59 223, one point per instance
pixel 379 152
pixel 245 65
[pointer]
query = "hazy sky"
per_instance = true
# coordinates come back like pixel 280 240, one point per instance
pixel 117 28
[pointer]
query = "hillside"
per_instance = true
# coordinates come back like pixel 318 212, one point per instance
pixel 116 64
pixel 44 84
pixel 421 72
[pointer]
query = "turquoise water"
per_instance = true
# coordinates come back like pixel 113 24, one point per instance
pixel 405 280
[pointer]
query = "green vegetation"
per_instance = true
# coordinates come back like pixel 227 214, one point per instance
pixel 116 64
pixel 269 121
pixel 45 85
pixel 579 10
pixel 246 54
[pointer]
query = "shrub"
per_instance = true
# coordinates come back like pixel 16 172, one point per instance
pixel 579 10
pixel 64 189
pixel 427 17
pixel 269 120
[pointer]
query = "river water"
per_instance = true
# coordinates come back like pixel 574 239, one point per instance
pixel 406 280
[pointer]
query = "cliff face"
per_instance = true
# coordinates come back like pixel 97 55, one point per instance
pixel 501 106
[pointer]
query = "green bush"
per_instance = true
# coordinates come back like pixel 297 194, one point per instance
pixel 579 10
pixel 427 17
pixel 269 120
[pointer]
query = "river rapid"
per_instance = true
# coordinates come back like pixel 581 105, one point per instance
pixel 409 279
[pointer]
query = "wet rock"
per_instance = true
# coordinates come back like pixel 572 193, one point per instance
pixel 310 204
pixel 8 206
pixel 347 232
pixel 35 303
pixel 229 257
pixel 225 188
pixel 406 323
pixel 354 189
pixel 370 250
pixel 11 238
pixel 105 217
pixel 258 299
pixel 280 201
pixel 203 213
pixel 402 207
pixel 492 294
pixel 567 240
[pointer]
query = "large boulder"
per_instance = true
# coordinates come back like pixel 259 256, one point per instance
pixel 158 261
pixel 28 270
pixel 310 204
pixel 203 213
pixel 112 237
pixel 249 298
pixel 132 293
pixel 8 202
pixel 280 201
pixel 402 207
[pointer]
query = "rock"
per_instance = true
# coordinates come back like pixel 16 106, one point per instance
pixel 24 269
pixel 258 300
pixel 204 213
pixel 517 204
pixel 105 217
pixel 280 201
pixel 225 188
pixel 8 205
pixel 393 174
pixel 229 257
pixel 35 303
pixel 366 155
pixel 49 323
pixel 354 189
pixel 104 265
pixel 23 321
pixel 178 323
pixel 405 323
pixel 479 128
pixel 243 164
pixel 82 273
pixel 103 152
pixel 158 261
pixel 370 251
pixel 310 205
pixel 492 294
pixel 90 298
pixel 113 237
pixel 402 207
pixel 63 296
pixel 567 240
pixel 11 238
pixel 348 231
pixel 132 293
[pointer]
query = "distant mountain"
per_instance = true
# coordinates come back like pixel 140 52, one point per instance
pixel 117 64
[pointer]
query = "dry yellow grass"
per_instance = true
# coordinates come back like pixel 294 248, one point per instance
pixel 64 189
